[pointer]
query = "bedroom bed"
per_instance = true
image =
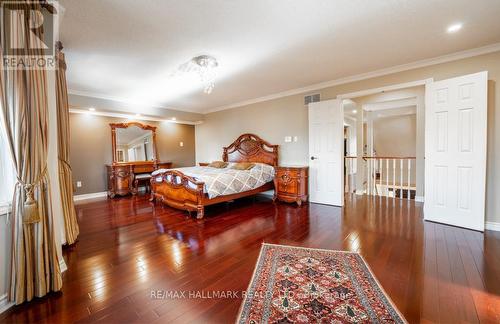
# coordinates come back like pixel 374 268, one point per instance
pixel 184 188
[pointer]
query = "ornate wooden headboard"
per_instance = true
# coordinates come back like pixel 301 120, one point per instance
pixel 251 148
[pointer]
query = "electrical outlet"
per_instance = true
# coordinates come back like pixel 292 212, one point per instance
pixel 181 144
pixel 288 139
pixel 295 138
pixel 78 184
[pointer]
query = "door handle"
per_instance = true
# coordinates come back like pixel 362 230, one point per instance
pixel 313 158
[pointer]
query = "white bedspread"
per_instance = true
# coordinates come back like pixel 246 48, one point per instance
pixel 227 181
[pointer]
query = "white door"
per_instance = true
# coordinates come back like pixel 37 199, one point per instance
pixel 455 151
pixel 326 152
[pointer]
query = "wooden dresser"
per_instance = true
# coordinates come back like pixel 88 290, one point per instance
pixel 121 175
pixel 291 184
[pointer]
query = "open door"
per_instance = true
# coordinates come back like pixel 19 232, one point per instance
pixel 455 151
pixel 326 164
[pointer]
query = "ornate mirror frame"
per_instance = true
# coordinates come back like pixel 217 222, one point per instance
pixel 114 126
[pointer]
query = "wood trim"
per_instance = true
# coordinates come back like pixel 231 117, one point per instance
pixel 114 126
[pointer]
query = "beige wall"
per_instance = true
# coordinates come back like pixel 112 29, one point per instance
pixel 395 136
pixel 272 120
pixel 91 148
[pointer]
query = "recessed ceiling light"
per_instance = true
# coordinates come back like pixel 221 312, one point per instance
pixel 354 111
pixel 91 109
pixel 454 28
pixel 173 118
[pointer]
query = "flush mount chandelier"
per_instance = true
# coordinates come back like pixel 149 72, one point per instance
pixel 205 66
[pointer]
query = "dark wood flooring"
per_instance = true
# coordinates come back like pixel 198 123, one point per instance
pixel 128 248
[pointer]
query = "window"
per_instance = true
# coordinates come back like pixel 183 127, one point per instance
pixel 7 173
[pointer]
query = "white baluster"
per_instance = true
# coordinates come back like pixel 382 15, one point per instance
pixel 393 178
pixel 348 172
pixel 387 178
pixel 353 182
pixel 368 176
pixel 401 179
pixel 381 168
pixel 372 166
pixel 371 177
pixel 409 177
pixel 350 175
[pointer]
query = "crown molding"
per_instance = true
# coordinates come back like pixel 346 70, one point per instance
pixel 131 116
pixel 123 100
pixel 369 75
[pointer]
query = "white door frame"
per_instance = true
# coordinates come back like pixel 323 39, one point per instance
pixel 392 87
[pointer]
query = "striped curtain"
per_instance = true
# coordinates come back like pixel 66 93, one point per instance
pixel 34 264
pixel 65 173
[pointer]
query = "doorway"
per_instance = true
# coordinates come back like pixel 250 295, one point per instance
pixel 452 136
pixel 382 135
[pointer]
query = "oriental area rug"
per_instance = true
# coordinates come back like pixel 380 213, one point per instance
pixel 301 285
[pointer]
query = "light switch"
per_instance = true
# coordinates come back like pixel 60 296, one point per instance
pixel 295 138
pixel 288 139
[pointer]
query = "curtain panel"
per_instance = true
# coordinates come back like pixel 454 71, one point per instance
pixel 63 135
pixel 34 264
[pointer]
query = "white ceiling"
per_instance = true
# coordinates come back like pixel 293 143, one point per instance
pixel 127 49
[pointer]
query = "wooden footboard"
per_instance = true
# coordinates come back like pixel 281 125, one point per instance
pixel 178 190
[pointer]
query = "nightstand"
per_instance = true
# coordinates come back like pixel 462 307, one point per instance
pixel 290 184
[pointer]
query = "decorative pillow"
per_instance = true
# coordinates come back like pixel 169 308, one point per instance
pixel 243 166
pixel 218 164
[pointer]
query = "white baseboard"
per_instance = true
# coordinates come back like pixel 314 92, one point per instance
pixel 492 226
pixel 90 196
pixel 419 198
pixel 4 303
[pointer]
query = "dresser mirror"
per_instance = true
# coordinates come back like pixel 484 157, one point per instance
pixel 133 142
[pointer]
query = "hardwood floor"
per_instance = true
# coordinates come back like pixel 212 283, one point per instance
pixel 127 249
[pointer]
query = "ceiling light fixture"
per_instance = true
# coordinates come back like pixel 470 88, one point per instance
pixel 205 66
pixel 174 119
pixel 137 115
pixel 91 109
pixel 454 28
